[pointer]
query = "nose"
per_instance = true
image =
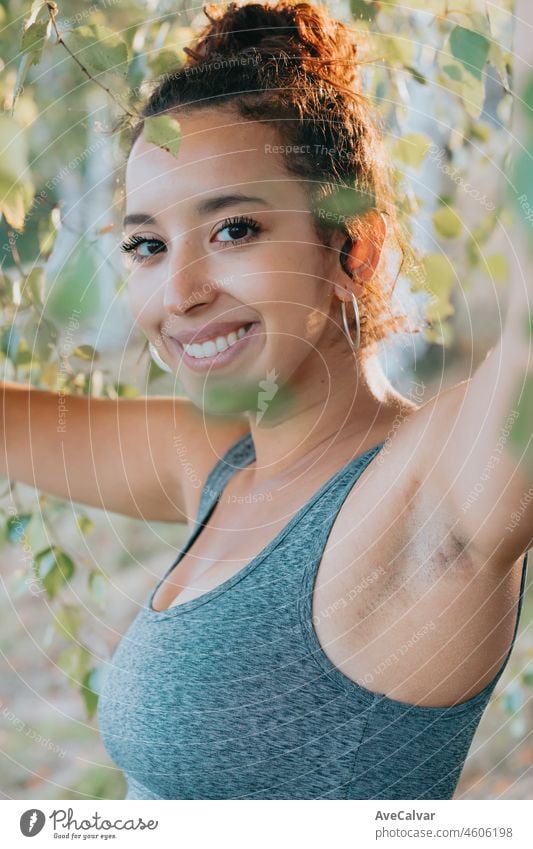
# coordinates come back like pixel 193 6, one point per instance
pixel 189 282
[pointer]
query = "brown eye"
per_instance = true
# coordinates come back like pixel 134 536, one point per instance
pixel 235 230
pixel 129 247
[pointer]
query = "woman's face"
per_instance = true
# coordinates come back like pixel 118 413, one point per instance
pixel 231 240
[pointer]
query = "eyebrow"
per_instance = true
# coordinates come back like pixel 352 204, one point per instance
pixel 209 205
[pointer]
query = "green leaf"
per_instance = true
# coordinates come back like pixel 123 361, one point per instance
pixel 55 568
pixel 442 335
pixel 14 147
pixel 497 267
pixel 34 286
pixel 439 279
pixel 478 131
pixel 85 524
pixel 99 49
pixel 527 99
pixel 363 10
pixel 522 178
pixel 74 661
pixel 68 620
pixel 74 293
pixel 47 230
pixel 16 527
pixel 89 690
pixel 415 73
pixel 24 357
pixel 501 61
pixel 469 88
pixel 22 72
pixel 85 352
pixel 34 39
pixel 39 11
pixel 16 190
pixel 447 222
pixel 454 71
pixel 412 148
pixel 527 676
pixel 41 335
pixel 395 50
pixel 10 341
pixel 123 390
pixel 32 43
pixel 470 48
pixel 98 585
pixel 163 131
pixel 343 204
pixel 14 201
pixel 462 61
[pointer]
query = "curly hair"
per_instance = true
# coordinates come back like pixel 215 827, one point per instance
pixel 292 65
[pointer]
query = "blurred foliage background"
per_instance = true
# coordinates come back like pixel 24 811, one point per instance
pixel 439 75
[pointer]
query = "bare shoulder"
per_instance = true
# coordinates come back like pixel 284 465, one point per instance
pixel 415 433
pixel 188 444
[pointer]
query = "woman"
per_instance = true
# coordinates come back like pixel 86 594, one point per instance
pixel 336 623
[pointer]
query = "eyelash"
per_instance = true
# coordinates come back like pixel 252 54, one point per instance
pixel 128 245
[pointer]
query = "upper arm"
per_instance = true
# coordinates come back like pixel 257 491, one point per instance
pixel 143 457
pixel 469 475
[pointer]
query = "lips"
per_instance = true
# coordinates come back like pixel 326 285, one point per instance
pixel 219 360
pixel 209 331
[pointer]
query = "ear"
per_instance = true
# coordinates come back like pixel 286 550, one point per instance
pixel 360 258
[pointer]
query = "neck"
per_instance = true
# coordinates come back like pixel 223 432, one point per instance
pixel 341 411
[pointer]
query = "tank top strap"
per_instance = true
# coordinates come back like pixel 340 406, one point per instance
pixel 238 456
pixel 318 512
pixel 318 515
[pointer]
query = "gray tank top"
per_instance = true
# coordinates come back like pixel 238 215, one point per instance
pixel 230 695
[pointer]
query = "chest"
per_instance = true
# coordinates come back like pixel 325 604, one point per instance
pixel 395 598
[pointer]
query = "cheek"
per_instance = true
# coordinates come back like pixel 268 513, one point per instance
pixel 143 306
pixel 300 306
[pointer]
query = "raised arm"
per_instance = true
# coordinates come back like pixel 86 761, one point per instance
pixel 126 456
pixel 470 462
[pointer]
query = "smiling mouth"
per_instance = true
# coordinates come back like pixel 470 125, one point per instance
pixel 242 333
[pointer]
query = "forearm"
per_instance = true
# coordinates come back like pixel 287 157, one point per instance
pixel 95 451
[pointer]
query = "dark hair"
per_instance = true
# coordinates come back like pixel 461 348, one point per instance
pixel 294 66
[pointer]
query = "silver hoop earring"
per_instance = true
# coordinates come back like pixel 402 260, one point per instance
pixel 154 353
pixel 353 344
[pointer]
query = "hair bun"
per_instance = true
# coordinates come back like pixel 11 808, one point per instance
pixel 293 29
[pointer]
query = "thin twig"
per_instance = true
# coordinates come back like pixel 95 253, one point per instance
pixel 52 13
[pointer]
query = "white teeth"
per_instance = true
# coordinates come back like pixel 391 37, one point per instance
pixel 213 346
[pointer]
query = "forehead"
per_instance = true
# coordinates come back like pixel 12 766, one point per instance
pixel 219 150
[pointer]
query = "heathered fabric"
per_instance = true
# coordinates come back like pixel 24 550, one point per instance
pixel 230 696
